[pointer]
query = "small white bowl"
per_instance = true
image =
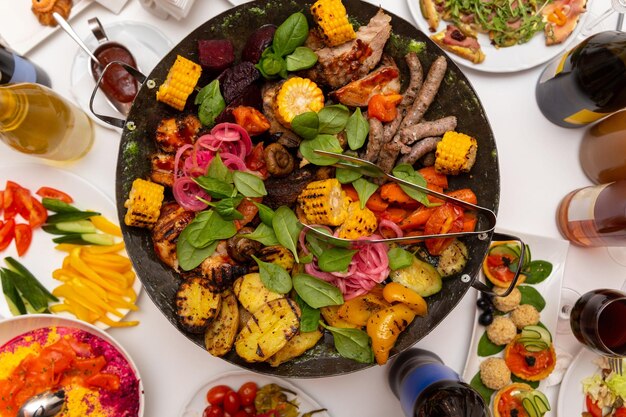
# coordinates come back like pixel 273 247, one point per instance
pixel 13 327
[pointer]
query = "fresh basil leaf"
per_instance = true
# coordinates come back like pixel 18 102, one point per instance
pixel 309 317
pixel 214 187
pixel 531 296
pixel 271 65
pixel 290 34
pixel 265 213
pixel 407 173
pixel 336 259
pixel 537 271
pixel 274 277
pixel 482 389
pixel 333 119
pixel 353 344
pixel 219 171
pixel 399 258
pixel 346 175
pixel 264 235
pixel 302 58
pixel 227 208
pixel 287 229
pixel 326 143
pixel 306 125
pixel 357 129
pixel 189 256
pixel 364 189
pixel 211 103
pixel 249 184
pixel 487 348
pixel 315 292
pixel 207 227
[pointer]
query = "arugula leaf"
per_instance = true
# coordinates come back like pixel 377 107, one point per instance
pixel 315 292
pixel 274 277
pixel 333 119
pixel 249 184
pixel 336 259
pixel 306 125
pixel 364 189
pixel 287 229
pixel 357 129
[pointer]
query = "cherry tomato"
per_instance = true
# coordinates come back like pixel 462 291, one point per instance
pixel 250 409
pixel 49 192
pixel 213 411
pixel 247 393
pixel 242 413
pixel 593 408
pixel 620 412
pixel 215 396
pixel 445 219
pixel 232 403
pixel 23 237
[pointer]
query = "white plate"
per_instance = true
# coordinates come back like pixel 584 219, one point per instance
pixel 197 403
pixel 542 248
pixel 41 258
pixel 238 2
pixel 510 59
pixel 571 396
pixel 29 33
pixel 147 44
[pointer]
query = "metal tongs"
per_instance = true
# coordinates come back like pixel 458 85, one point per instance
pixel 369 169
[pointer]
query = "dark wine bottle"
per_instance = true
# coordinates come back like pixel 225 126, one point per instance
pixel 587 83
pixel 17 69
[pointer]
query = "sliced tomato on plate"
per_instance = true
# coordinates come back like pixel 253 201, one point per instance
pixel 38 213
pixel 49 192
pixel 10 203
pixel 23 237
pixel 592 407
pixel 7 231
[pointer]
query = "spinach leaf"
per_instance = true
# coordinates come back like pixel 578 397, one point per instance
pixel 189 256
pixel 537 271
pixel 399 258
pixel 333 119
pixel 263 234
pixel 306 259
pixel 271 65
pixel 407 173
pixel 364 189
pixel 326 143
pixel 274 277
pixel 290 34
pixel 219 171
pixel 207 227
pixel 317 246
pixel 249 184
pixel 482 389
pixel 227 208
pixel 531 296
pixel 265 213
pixel 336 259
pixel 357 129
pixel 533 384
pixel 302 58
pixel 315 292
pixel 310 317
pixel 287 229
pixel 346 175
pixel 487 348
pixel 211 103
pixel 306 125
pixel 214 187
pixel 353 344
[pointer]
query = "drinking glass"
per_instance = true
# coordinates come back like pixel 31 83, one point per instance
pixel 603 148
pixel 598 321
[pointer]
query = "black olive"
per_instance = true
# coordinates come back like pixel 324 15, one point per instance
pixel 530 360
pixel 514 413
pixel 485 318
pixel 482 303
pixel 489 308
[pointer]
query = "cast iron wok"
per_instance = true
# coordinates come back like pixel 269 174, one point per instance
pixel 456 97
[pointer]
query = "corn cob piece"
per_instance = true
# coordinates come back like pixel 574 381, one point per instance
pixel 455 153
pixel 296 96
pixel 332 18
pixel 181 80
pixel 359 223
pixel 143 204
pixel 324 202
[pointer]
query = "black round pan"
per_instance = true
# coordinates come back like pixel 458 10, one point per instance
pixel 456 97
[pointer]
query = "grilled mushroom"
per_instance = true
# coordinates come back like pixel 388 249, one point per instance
pixel 241 248
pixel 278 160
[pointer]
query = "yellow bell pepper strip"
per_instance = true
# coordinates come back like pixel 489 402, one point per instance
pixel 109 322
pixel 104 225
pixel 384 327
pixel 89 273
pixel 558 17
pixel 66 247
pixel 396 292
pixel 359 309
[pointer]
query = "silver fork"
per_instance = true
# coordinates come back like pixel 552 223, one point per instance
pixel 616 365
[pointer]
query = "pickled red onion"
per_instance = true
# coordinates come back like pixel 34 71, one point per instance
pixel 185 191
pixel 388 224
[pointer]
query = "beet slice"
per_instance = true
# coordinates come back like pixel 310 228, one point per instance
pixel 216 54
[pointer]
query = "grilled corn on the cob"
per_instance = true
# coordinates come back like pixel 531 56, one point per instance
pixel 455 153
pixel 324 202
pixel 359 223
pixel 296 96
pixel 332 18
pixel 181 80
pixel 143 204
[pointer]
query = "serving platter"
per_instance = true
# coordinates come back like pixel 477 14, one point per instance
pixel 571 396
pixel 456 95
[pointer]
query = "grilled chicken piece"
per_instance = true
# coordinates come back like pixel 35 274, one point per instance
pixel 350 61
pixel 172 220
pixel 572 9
pixel 284 191
pixel 163 169
pixel 286 138
pixel 219 269
pixel 177 131
pixel 384 80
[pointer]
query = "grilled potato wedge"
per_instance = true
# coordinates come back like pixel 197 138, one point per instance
pixel 295 347
pixel 268 330
pixel 220 335
pixel 331 316
pixel 278 255
pixel 196 304
pixel 251 292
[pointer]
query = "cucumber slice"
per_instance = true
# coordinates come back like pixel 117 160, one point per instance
pixel 52 229
pixel 71 216
pixel 535 403
pixel 14 301
pixel 78 226
pixel 542 331
pixel 26 274
pixel 31 293
pixel 58 206
pixel 101 239
pixel 530 407
pixel 541 401
pixel 536 347
pixel 504 250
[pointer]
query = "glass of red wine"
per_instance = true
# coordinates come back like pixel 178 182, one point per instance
pixel 598 321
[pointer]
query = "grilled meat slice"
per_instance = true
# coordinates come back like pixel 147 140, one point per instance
pixel 284 191
pixel 383 80
pixel 172 220
pixel 350 61
pixel 177 131
pixel 162 169
pixel 286 137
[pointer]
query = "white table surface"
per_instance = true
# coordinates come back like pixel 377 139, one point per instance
pixel 538 165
